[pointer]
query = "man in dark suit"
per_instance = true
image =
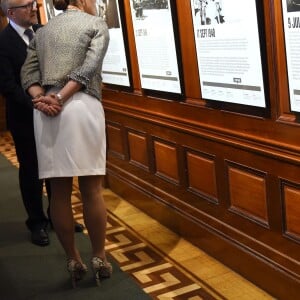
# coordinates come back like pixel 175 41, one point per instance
pixel 22 14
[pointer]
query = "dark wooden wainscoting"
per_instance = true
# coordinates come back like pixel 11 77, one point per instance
pixel 236 198
pixel 226 179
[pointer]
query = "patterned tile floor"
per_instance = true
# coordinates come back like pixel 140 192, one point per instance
pixel 163 264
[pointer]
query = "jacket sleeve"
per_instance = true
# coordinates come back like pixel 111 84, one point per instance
pixel 95 54
pixel 30 72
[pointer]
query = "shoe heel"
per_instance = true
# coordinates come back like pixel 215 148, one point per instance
pixel 101 269
pixel 76 270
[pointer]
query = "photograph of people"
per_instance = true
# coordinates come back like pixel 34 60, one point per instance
pixel 108 11
pixel 138 7
pixel 209 12
pixel 293 5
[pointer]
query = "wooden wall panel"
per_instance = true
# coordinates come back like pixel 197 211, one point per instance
pixel 201 175
pixel 166 161
pixel 248 194
pixel 292 211
pixel 115 139
pixel 138 153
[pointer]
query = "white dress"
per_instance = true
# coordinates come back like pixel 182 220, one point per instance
pixel 73 143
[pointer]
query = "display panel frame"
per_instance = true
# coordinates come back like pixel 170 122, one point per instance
pixel 291 25
pixel 242 84
pixel 158 51
pixel 116 69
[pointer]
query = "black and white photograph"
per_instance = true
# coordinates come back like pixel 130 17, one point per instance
pixel 108 11
pixel 141 6
pixel 209 12
pixel 293 5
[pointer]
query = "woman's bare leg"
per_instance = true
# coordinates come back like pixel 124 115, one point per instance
pixel 94 212
pixel 62 215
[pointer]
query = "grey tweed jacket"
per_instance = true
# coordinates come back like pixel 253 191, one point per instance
pixel 71 45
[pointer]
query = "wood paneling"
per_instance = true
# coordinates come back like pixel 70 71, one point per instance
pixel 41 12
pixel 292 211
pixel 201 175
pixel 248 194
pixel 138 154
pixel 226 181
pixel 225 201
pixel 115 139
pixel 166 161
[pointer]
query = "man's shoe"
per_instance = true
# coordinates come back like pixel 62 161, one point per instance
pixel 40 237
pixel 78 227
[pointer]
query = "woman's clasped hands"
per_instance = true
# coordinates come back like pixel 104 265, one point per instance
pixel 48 104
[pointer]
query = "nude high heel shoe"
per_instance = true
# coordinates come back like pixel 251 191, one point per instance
pixel 77 271
pixel 102 269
